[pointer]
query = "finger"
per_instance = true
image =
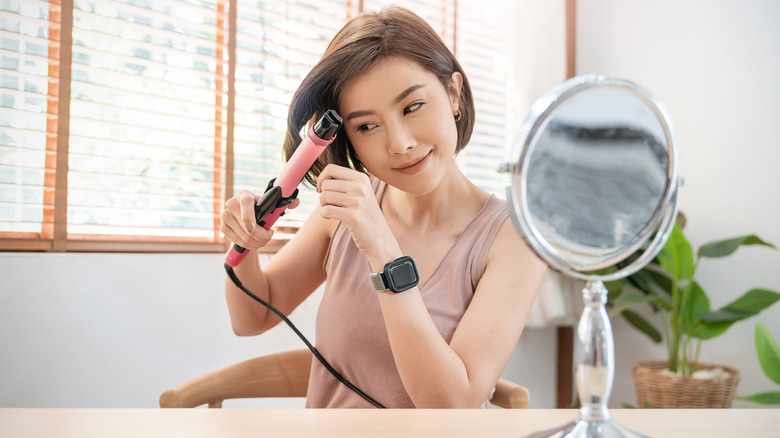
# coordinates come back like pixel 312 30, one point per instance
pixel 336 199
pixel 247 240
pixel 296 202
pixel 247 216
pixel 337 212
pixel 337 185
pixel 236 233
pixel 333 171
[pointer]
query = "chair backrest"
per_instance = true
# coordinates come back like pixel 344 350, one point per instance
pixel 283 374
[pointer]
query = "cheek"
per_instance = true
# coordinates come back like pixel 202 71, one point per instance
pixel 363 147
pixel 440 129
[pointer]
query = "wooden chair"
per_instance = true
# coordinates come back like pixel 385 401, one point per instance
pixel 283 374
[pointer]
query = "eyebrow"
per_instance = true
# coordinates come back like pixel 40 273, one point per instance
pixel 398 99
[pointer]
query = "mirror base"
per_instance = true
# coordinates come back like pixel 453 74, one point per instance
pixel 587 429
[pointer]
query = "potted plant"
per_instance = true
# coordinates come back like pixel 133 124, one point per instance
pixel 668 286
pixel 769 357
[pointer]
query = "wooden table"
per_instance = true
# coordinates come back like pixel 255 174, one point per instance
pixel 118 423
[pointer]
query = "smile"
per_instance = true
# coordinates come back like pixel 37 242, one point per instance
pixel 414 166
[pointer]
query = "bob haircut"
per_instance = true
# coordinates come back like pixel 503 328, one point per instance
pixel 364 40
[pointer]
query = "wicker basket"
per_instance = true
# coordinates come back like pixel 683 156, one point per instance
pixel 662 390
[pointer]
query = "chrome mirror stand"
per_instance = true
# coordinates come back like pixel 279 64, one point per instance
pixel 595 371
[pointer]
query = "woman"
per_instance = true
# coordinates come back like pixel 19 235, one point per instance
pixel 389 187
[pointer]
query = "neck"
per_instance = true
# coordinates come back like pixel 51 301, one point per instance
pixel 452 200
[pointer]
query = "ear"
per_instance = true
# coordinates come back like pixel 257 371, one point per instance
pixel 456 82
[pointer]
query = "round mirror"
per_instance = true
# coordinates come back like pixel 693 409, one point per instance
pixel 594 185
pixel 594 177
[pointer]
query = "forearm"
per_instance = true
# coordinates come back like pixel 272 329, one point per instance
pixel 433 374
pixel 247 316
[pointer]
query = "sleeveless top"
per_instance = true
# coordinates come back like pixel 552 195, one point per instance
pixel 350 329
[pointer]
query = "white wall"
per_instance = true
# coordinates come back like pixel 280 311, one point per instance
pixel 115 330
pixel 715 65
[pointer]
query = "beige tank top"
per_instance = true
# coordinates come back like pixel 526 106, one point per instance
pixel 350 330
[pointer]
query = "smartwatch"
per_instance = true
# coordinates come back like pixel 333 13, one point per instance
pixel 399 275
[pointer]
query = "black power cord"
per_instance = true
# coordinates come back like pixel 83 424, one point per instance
pixel 314 351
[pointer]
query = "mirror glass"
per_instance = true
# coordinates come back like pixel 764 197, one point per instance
pixel 593 173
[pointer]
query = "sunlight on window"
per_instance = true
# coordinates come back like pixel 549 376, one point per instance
pixel 24 33
pixel 148 123
pixel 144 106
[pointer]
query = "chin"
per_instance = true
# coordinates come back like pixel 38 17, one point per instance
pixel 420 185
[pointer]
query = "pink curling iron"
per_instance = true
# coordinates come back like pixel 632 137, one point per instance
pixel 283 190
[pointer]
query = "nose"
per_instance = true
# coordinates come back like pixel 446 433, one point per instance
pixel 400 139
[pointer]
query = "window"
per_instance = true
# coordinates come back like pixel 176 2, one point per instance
pixel 482 40
pixel 29 35
pixel 131 136
pixel 147 118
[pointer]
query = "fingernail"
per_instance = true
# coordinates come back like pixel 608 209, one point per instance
pixel 250 228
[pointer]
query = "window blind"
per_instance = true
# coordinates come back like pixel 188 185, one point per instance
pixel 482 50
pixel 29 42
pixel 148 110
pixel 440 14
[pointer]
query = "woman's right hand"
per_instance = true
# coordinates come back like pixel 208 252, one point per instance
pixel 238 221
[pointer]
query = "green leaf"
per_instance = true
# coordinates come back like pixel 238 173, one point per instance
pixel 681 219
pixel 614 289
pixel 654 283
pixel 754 301
pixel 642 325
pixel 708 330
pixel 768 353
pixel 749 304
pixel 726 247
pixel 696 304
pixel 677 255
pixel 660 283
pixel 764 398
pixel 724 316
pixel 625 405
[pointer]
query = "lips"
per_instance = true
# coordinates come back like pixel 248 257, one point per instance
pixel 413 166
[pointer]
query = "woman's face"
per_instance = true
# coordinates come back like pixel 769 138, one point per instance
pixel 400 120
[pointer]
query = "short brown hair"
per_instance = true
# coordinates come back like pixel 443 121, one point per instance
pixel 364 40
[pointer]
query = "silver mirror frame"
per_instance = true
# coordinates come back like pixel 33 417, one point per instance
pixel 535 122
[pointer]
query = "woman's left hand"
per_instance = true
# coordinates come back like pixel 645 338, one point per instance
pixel 346 195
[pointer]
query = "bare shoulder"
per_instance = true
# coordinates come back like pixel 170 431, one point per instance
pixel 510 252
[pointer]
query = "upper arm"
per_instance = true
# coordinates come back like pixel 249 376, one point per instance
pixel 491 326
pixel 296 270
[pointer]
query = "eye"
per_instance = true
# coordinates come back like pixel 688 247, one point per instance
pixel 365 127
pixel 413 107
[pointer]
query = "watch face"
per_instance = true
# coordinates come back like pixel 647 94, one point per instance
pixel 403 275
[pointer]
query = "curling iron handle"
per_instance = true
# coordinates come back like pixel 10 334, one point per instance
pixel 235 255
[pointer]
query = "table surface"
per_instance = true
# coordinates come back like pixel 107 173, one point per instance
pixel 117 423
